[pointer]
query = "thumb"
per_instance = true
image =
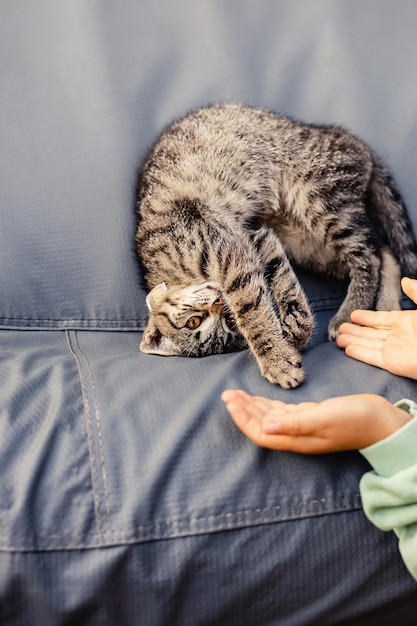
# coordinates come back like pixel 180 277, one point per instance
pixel 295 421
pixel 409 286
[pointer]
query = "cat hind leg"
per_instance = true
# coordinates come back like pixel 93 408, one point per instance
pixel 389 294
pixel 364 269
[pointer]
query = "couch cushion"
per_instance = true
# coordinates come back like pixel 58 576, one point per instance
pixel 87 88
pixel 123 474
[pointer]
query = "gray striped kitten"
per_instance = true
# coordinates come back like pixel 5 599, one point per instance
pixel 229 196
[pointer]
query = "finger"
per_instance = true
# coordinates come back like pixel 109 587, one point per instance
pixel 238 397
pixel 365 354
pixel 409 286
pixel 254 404
pixel 295 420
pixel 251 426
pixel 345 340
pixel 296 431
pixel 244 418
pixel 348 328
pixel 269 405
pixel 373 319
pixel 229 394
pixel 353 330
pixel 287 435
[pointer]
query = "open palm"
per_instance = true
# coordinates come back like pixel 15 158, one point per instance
pixel 387 339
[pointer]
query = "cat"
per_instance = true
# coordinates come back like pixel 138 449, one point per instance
pixel 229 197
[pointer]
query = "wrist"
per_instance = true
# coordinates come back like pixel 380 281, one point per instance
pixel 390 419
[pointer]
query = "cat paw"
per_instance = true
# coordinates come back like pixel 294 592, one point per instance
pixel 333 328
pixel 285 370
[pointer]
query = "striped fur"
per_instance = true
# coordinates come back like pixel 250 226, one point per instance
pixel 229 196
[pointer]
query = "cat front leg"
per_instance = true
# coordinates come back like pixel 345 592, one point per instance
pixel 248 296
pixel 296 317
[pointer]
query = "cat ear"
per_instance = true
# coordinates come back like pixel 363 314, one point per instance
pixel 155 296
pixel 153 342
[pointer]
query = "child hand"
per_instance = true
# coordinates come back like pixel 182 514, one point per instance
pixel 343 423
pixel 387 339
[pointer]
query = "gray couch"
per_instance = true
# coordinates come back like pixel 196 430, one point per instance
pixel 127 495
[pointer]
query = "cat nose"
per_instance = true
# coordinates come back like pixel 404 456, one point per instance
pixel 219 301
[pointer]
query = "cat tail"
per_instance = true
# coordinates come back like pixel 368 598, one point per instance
pixel 387 207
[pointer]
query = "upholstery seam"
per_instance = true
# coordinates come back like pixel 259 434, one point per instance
pixel 74 319
pixel 100 435
pixel 87 415
pixel 158 527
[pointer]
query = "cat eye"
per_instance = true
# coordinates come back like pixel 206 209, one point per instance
pixel 194 322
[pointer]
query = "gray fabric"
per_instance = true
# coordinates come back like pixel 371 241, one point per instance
pixel 121 504
pixel 127 496
pixel 163 465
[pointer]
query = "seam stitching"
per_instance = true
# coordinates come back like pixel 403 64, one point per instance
pixel 159 529
pixel 99 434
pixel 87 415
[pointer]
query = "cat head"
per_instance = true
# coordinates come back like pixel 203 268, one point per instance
pixel 189 321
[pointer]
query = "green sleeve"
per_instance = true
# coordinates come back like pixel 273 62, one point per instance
pixel 389 493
